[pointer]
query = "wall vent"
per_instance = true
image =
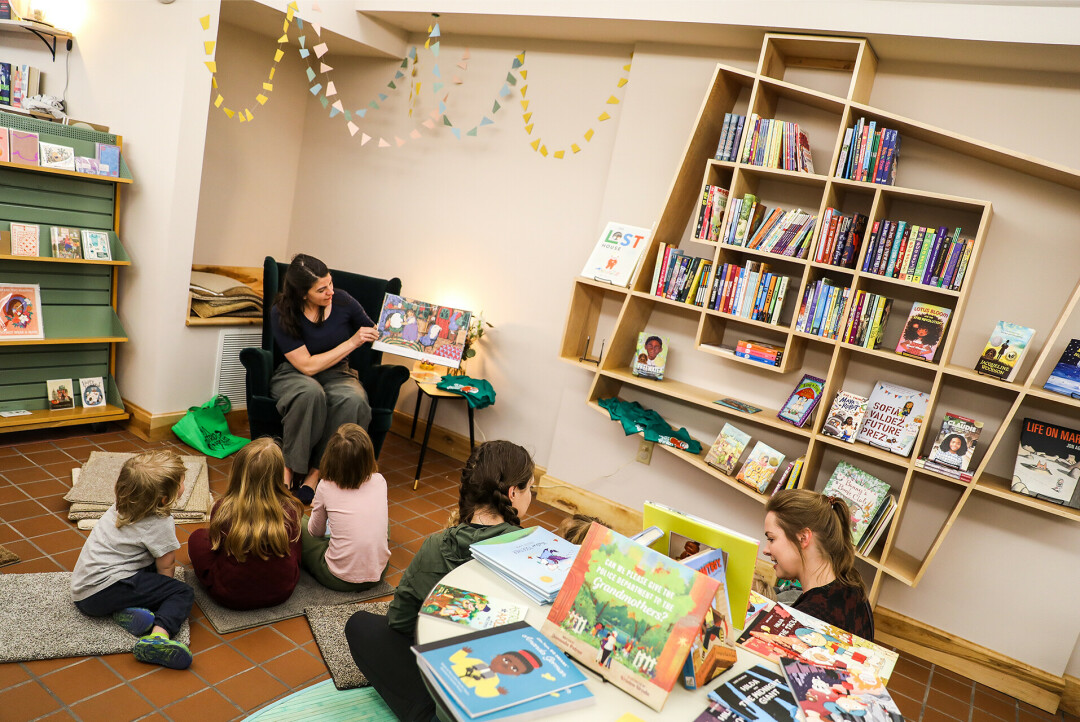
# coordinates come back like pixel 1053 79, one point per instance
pixel 229 374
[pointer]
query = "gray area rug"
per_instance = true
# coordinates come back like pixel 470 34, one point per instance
pixel 97 481
pixel 308 593
pixel 328 627
pixel 38 620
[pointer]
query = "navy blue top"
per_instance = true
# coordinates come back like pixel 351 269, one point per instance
pixel 347 316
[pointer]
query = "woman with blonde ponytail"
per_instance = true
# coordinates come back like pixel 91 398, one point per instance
pixel 808 537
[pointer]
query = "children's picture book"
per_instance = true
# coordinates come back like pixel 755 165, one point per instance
pixel 1064 379
pixel 738 405
pixel 836 695
pixel 1048 463
pixel 717 712
pixel 894 415
pixel 803 400
pixel 96 246
pixel 713 648
pixel 617 254
pixel 498 668
pixel 863 492
pixel 758 469
pixel 686 534
pixel 650 356
pixel 1005 348
pixel 535 560
pixel 554 703
pixel 24 239
pixel 57 156
pixel 725 452
pixel 955 443
pixel 924 330
pixel 92 392
pixel 758 695
pixel 65 243
pixel 24 147
pixel 845 416
pixel 472 609
pixel 630 614
pixel 782 631
pixel 20 312
pixel 60 394
pixel 422 331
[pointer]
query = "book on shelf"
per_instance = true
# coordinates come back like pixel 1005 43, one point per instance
pixel 1048 463
pixel 25 239
pixel 894 415
pixel 804 398
pixel 534 560
pixel 713 648
pixel 784 233
pixel 822 308
pixel 650 356
pixel 869 153
pixel 737 405
pixel 1064 379
pixel 108 158
pixel 766 353
pixel 25 83
pixel 92 392
pixel 24 146
pixel 679 277
pixel 686 532
pixel 866 322
pixel 863 492
pixel 95 246
pixel 472 609
pixel 749 291
pixel 729 445
pixel 612 578
pixel 877 525
pixel 20 312
pixel 1003 351
pixel 918 254
pixel 60 393
pixel 840 238
pixel 845 416
pixel 730 137
pixel 923 331
pixel 617 254
pixel 53 155
pixel 779 631
pixel 955 443
pixel 826 694
pixel 923 462
pixel 758 694
pixel 711 214
pixel 790 478
pixel 65 243
pixel 760 466
pixel 86 165
pixel 774 143
pixel 496 669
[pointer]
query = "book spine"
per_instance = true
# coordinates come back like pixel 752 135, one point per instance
pixel 702 213
pixel 912 254
pixel 777 306
pixel 843 231
pixel 801 318
pixel 894 248
pixel 695 280
pixel 663 259
pixel 871 246
pixel 929 239
pixel 759 359
pixel 852 326
pixel 822 239
pixel 969 246
pixel 845 148
pixel 943 253
pixel 887 229
pixel 931 257
pixel 736 139
pixel 873 139
pixel 657 265
pixel 955 252
pixel 724 132
pixel 905 242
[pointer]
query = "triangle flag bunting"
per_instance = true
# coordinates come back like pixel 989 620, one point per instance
pixel 435 31
pixel 373 105
pixel 383 143
pixel 442 107
pixel 435 50
pixel 456 132
pixel 429 124
pixel 589 134
pixel 436 87
pixel 362 112
pixel 505 90
pixel 302 39
pixel 229 113
pixel 304 53
pixel 463 65
pixel 435 72
pixel 495 107
pixel 324 101
pixel 316 88
pixel 486 121
pixel 523 89
pixel 446 121
pixel 330 88
pixel 383 96
pixel 339 107
pixel 472 132
pixel 526 117
pixel 528 128
pixel 209 45
pixel 612 100
pixel 333 111
pixel 399 141
pixel 320 50
pixel 524 74
pixel 317 28
pixel 414 134
pixel 364 138
pixel 310 75
pixel 457 80
pixel 535 144
pixel 511 79
pixel 543 150
pixel 574 147
pixel 218 101
pixel 391 85
pixel 261 98
pixel 559 153
pixel 626 67
pixel 278 55
pixel 248 114
pixel 205 22
pixel 399 75
pixel 622 82
pixel 212 65
pixel 352 128
pixel 524 105
pixel 283 39
pixel 603 116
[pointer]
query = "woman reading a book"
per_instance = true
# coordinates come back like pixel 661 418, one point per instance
pixel 495 492
pixel 808 537
pixel 316 328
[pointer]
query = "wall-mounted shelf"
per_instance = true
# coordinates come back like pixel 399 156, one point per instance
pixel 46 33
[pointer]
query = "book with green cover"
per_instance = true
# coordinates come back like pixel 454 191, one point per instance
pixel 862 491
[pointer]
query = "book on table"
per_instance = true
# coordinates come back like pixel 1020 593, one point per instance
pixel 493 670
pixel 759 694
pixel 955 443
pixel 472 609
pixel 617 254
pixel 1064 379
pixel 534 560
pixel 1004 350
pixel 1048 463
pixel 629 613
pixel 894 415
pixel 826 694
pixel 864 494
pixel 713 648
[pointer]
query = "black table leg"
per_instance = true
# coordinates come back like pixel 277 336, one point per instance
pixel 427 435
pixel 416 412
pixel 472 444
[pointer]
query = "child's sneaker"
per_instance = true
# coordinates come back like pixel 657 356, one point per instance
pixel 136 620
pixel 162 650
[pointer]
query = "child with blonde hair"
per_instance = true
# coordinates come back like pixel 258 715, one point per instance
pixel 249 557
pixel 125 568
pixel 351 503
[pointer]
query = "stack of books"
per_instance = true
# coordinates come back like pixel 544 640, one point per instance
pixel 822 308
pixel 840 239
pixel 534 560
pixel 918 254
pixel 869 153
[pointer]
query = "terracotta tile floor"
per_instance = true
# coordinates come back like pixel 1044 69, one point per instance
pixel 235 674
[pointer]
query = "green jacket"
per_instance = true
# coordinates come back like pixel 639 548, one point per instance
pixel 438 556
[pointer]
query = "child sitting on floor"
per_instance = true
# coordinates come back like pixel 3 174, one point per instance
pixel 249 558
pixel 125 568
pixel 350 502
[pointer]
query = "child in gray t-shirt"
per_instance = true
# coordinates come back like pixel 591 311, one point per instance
pixel 125 568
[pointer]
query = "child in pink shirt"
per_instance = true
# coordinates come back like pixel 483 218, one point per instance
pixel 350 506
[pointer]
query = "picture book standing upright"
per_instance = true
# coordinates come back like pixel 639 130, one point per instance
pixel 955 444
pixel 845 416
pixel 1048 463
pixel 728 447
pixel 803 400
pixel 894 415
pixel 1005 348
pixel 650 356
pixel 629 613
pixel 617 254
pixel 924 330
pixel 20 312
pixel 863 492
pixel 1065 378
pixel 760 466
pixel 713 648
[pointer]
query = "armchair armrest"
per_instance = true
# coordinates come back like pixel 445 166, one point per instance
pixel 259 364
pixel 383 383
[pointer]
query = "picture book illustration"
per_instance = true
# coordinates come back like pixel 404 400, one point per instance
pixel 845 416
pixel 713 648
pixel 617 254
pixel 20 312
pixel 629 613
pixel 422 331
pixel 60 396
pixel 65 243
pixel 534 559
pixel 758 469
pixel 1064 379
pixel 24 239
pixel 924 330
pixel 955 443
pixel 758 695
pixel 57 156
pixel 497 668
pixel 728 447
pixel 1048 463
pixel 650 356
pixel 1001 356
pixel 833 695
pixel 738 405
pixel 92 391
pixel 894 415
pixel 863 492
pixel 803 400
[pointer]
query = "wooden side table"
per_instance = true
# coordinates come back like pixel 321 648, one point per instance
pixel 433 392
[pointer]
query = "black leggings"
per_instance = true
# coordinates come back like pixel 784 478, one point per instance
pixel 385 658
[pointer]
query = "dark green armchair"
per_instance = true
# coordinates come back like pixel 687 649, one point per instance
pixel 382 382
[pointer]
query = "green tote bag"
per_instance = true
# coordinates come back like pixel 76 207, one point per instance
pixel 204 428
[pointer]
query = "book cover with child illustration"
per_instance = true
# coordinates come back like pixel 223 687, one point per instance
pixel 1047 465
pixel 845 416
pixel 421 330
pixel 1001 355
pixel 760 466
pixel 473 609
pixel 728 447
pixel 20 312
pixel 650 356
pixel 924 330
pixel 955 443
pixel 836 695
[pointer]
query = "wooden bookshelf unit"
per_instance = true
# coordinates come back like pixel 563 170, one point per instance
pixel 824 117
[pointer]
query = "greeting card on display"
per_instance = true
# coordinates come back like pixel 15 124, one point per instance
pixel 92 391
pixel 57 156
pixel 423 331
pixel 20 312
pixel 59 394
pixel 96 246
pixel 25 239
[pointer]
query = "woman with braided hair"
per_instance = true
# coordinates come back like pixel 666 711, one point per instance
pixel 495 492
pixel 808 537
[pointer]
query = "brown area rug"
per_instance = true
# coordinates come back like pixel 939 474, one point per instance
pixel 7 557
